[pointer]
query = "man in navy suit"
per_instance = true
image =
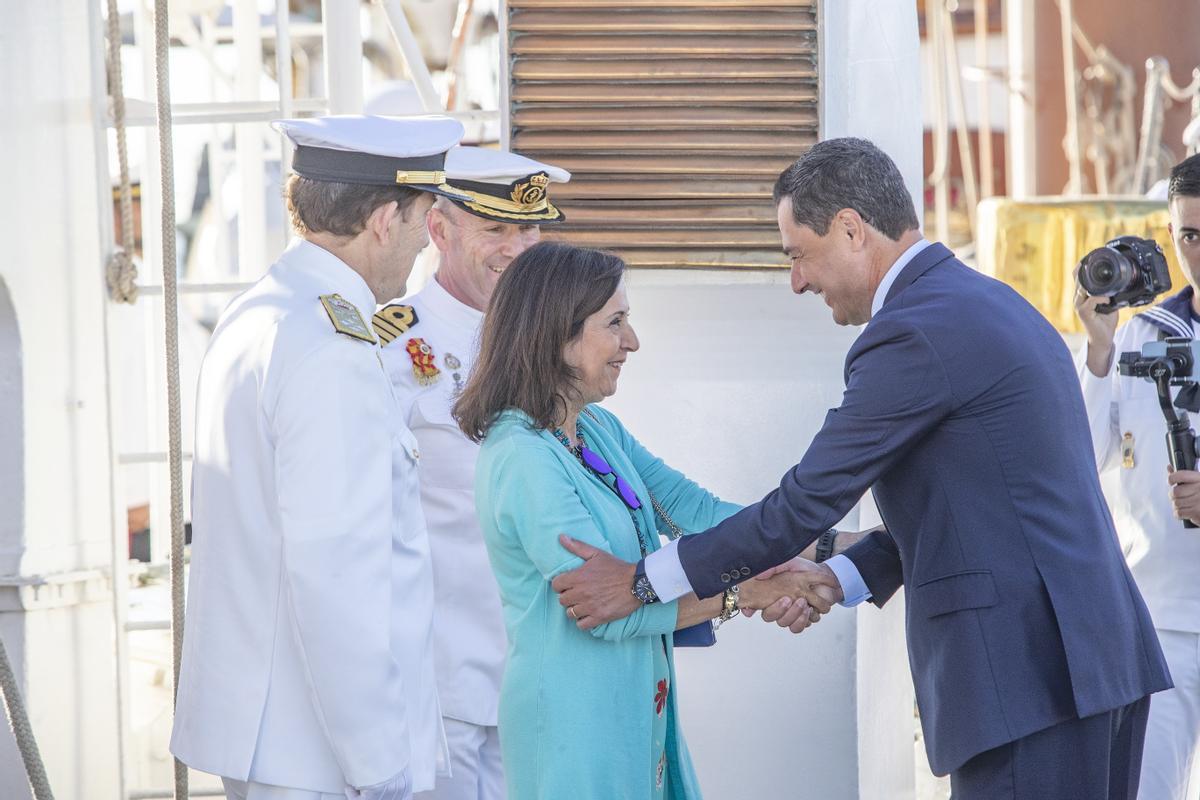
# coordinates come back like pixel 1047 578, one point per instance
pixel 1032 652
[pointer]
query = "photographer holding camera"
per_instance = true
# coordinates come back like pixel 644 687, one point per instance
pixel 1128 434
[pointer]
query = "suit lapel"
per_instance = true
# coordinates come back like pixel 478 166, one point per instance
pixel 925 260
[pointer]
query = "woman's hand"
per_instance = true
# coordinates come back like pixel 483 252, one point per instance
pixel 772 596
pixel 794 594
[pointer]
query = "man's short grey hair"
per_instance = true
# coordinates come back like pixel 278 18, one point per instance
pixel 847 173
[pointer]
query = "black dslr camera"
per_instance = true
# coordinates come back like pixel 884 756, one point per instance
pixel 1167 363
pixel 1128 270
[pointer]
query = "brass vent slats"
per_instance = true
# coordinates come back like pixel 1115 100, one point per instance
pixel 712 45
pixel 591 188
pixel 668 119
pixel 664 94
pixel 674 117
pixel 687 18
pixel 653 4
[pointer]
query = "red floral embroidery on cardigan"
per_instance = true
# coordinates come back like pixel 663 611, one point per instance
pixel 660 697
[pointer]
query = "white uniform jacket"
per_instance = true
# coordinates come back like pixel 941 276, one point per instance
pixel 306 657
pixel 468 625
pixel 1129 434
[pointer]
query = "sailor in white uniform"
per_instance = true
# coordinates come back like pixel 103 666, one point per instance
pixel 430 345
pixel 307 665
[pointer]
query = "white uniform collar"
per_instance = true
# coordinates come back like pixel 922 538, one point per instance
pixel 446 306
pixel 894 272
pixel 331 274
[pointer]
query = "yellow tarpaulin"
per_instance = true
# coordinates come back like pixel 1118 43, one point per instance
pixel 1035 245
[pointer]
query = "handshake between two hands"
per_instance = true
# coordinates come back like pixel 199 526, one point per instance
pixel 793 595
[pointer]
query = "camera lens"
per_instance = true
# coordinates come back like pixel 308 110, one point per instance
pixel 1105 272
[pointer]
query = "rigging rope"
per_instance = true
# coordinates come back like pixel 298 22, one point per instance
pixel 121 271
pixel 19 721
pixel 162 46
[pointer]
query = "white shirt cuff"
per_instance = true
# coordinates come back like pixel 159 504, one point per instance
pixel 666 574
pixel 854 588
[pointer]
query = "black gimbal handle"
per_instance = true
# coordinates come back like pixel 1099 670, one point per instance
pixel 1181 446
pixel 1181 439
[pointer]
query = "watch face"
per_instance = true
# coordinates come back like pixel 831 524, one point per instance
pixel 643 591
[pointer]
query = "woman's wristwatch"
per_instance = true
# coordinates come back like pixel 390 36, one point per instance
pixel 730 607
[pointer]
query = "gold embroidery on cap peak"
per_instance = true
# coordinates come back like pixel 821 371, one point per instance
pixel 549 212
pixel 435 178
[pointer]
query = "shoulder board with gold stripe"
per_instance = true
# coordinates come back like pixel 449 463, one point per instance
pixel 391 322
pixel 345 317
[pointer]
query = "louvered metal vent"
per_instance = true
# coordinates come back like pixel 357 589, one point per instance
pixel 674 117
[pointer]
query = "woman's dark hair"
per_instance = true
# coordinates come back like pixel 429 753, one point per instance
pixel 538 307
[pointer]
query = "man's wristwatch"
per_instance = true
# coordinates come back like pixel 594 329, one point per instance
pixel 642 589
pixel 825 545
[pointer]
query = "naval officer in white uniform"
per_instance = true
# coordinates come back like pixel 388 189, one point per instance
pixel 430 344
pixel 307 666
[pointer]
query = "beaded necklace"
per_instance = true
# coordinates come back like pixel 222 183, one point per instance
pixel 577 451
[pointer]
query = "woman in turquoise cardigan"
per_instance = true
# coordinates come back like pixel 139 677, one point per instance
pixel 584 715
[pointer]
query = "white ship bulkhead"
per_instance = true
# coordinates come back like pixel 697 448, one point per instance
pixel 735 355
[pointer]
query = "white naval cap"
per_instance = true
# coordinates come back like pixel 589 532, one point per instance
pixel 504 186
pixel 372 150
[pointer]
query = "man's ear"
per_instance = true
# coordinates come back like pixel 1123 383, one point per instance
pixel 853 226
pixel 379 224
pixel 437 222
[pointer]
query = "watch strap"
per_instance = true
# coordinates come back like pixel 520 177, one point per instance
pixel 825 544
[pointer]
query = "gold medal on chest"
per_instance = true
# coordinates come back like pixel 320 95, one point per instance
pixel 422 357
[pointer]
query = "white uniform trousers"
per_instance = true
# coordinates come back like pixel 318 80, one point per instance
pixel 475 769
pixel 249 790
pixel 243 790
pixel 1169 763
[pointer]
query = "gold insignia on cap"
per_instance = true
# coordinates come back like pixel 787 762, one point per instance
pixel 527 201
pixel 345 317
pixel 533 192
pixel 391 322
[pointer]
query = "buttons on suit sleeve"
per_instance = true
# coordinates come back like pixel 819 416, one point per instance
pixel 735 574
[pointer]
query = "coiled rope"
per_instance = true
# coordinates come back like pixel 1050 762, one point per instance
pixel 121 271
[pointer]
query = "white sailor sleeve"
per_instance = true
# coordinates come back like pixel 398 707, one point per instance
pixel 1100 399
pixel 333 469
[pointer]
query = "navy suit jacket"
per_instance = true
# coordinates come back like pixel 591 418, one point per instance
pixel 963 411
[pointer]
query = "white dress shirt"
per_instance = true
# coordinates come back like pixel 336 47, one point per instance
pixel 663 567
pixel 468 624
pixel 307 657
